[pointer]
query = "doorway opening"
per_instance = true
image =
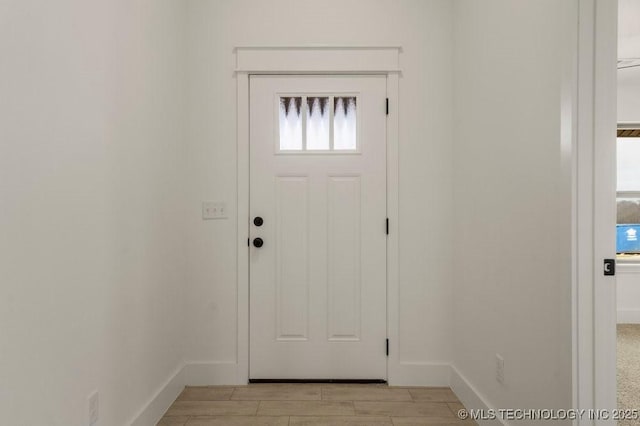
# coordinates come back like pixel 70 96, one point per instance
pixel 628 259
pixel 628 209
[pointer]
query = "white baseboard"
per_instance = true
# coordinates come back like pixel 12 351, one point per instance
pixel 404 374
pixel 226 373
pixel 153 410
pixel 190 374
pixel 628 317
pixel 419 374
pixel 211 374
pixel 470 397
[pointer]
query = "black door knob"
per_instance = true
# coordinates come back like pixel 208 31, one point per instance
pixel 257 242
pixel 258 221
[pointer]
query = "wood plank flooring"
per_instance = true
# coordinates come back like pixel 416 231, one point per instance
pixel 314 405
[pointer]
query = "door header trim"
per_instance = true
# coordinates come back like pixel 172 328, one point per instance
pixel 317 59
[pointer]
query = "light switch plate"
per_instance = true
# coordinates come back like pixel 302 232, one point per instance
pixel 214 210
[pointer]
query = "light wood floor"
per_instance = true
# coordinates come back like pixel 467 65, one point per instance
pixel 314 405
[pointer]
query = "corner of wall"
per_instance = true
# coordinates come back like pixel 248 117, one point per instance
pixel 155 408
pixel 471 398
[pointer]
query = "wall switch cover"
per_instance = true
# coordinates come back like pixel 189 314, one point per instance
pixel 214 210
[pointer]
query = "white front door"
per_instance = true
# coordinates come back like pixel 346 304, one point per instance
pixel 318 206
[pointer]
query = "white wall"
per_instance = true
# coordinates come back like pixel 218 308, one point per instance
pixel 629 95
pixel 512 276
pixel 424 30
pixel 628 293
pixel 92 160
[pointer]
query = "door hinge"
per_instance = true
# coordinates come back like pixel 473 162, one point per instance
pixel 387 347
pixel 387 106
pixel 609 267
pixel 387 226
pixel 248 242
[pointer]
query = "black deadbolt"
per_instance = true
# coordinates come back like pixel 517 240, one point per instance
pixel 257 242
pixel 258 221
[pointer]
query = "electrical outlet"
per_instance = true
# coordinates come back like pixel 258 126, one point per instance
pixel 214 210
pixel 499 368
pixel 94 408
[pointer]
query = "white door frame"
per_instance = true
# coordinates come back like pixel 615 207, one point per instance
pixel 591 121
pixel 320 60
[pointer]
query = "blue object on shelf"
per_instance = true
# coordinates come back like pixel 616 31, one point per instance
pixel 628 238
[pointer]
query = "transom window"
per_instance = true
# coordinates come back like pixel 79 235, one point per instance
pixel 309 123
